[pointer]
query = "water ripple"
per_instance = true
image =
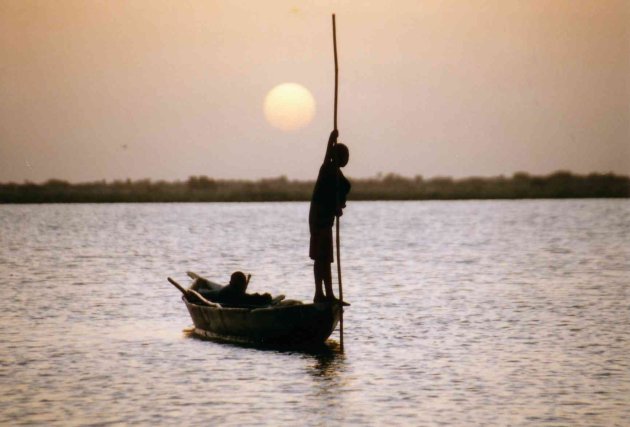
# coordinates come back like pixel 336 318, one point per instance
pixel 463 313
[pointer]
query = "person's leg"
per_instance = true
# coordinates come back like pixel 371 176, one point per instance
pixel 317 272
pixel 327 278
pixel 321 251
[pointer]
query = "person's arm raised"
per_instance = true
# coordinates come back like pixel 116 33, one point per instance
pixel 332 140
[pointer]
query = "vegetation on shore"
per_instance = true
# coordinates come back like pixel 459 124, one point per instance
pixel 390 187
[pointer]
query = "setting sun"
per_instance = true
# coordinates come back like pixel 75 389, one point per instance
pixel 289 106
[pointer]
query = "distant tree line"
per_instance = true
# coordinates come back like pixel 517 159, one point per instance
pixel 389 187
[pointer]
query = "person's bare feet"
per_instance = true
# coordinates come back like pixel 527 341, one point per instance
pixel 319 298
pixel 332 299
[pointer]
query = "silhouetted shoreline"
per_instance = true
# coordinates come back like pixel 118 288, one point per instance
pixel 389 187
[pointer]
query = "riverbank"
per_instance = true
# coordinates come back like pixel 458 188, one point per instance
pixel 388 187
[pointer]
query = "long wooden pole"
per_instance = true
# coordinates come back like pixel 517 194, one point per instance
pixel 336 66
pixel 338 219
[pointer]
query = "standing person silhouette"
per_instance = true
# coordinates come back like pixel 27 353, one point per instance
pixel 328 200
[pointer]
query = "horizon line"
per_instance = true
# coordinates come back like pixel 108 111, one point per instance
pixel 379 176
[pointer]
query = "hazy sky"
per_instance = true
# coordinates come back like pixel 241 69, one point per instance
pixel 167 89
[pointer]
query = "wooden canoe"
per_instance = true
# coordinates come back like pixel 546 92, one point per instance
pixel 292 325
pixel 275 325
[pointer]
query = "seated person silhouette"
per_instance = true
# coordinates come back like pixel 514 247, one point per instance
pixel 328 200
pixel 233 294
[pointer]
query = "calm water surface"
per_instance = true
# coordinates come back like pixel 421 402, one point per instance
pixel 463 313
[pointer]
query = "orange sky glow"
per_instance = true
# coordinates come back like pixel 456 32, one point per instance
pixel 167 89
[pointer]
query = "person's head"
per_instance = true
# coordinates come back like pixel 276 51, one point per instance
pixel 343 154
pixel 238 281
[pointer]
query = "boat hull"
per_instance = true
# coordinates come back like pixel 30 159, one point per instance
pixel 293 325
